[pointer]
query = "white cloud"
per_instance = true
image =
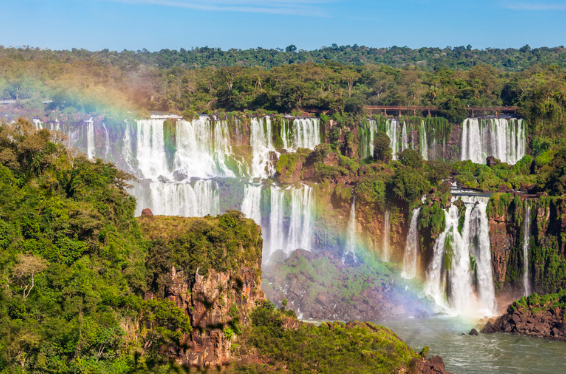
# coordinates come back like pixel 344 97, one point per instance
pixel 535 5
pixel 288 7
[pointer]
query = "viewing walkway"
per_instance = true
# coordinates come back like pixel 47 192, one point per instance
pixel 384 108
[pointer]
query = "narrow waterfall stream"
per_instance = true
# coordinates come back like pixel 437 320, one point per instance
pixel 351 240
pixel 423 141
pixel 91 146
pixel 392 131
pixel 411 248
pixel 526 242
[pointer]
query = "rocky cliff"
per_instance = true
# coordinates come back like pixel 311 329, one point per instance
pixel 546 248
pixel 211 269
pixel 541 316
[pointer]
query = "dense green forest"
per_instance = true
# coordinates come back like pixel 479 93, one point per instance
pixel 458 58
pixel 89 84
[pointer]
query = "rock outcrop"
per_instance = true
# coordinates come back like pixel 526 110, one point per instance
pixel 219 300
pixel 541 317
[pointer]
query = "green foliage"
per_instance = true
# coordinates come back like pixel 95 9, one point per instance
pixel 381 146
pixel 330 347
pixel 409 185
pixel 411 158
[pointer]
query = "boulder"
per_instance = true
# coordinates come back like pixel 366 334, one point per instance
pixel 147 213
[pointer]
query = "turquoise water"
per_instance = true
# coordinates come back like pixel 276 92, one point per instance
pixel 486 353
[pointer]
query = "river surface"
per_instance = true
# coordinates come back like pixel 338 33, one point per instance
pixel 486 353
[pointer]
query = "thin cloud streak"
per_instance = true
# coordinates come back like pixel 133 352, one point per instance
pixel 533 6
pixel 281 7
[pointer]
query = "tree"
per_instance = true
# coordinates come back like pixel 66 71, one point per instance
pixel 291 48
pixel 381 146
pixel 25 271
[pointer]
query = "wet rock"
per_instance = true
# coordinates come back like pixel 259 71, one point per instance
pixel 147 213
pixel 473 332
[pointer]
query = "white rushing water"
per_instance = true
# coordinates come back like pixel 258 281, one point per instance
pixel 180 199
pixel 423 141
pixel 391 128
pixel 461 263
pixel 202 147
pixel 306 133
pixel 251 206
pixel 351 240
pixel 386 234
pixel 404 137
pixel 300 225
pixel 263 165
pixel 276 222
pixel 505 139
pixel 151 157
pixel 90 139
pixel 106 142
pixel 526 241
pixel 412 247
pixel 127 152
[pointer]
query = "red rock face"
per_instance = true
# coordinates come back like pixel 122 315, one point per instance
pixel 207 302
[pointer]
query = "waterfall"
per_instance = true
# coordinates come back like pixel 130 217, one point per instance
pixel 412 247
pixel 435 276
pixel 90 139
pixel 151 157
pixel 180 199
pixel 351 242
pixel 107 142
pixel 37 123
pixel 205 141
pixel 423 141
pixel 306 133
pixel 284 134
pixel 391 130
pixel 386 234
pixel 251 206
pixel 501 138
pixel 276 228
pixel 480 250
pixel 404 138
pixel 526 240
pixel 263 150
pixel 300 221
pixel 372 131
pixel 127 153
pixel 461 261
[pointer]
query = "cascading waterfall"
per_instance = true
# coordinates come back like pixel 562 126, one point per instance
pixel 107 142
pixel 306 133
pixel 391 128
pixel 301 219
pixel 423 141
pixel 276 223
pixel 180 199
pixel 260 140
pixel 386 234
pixel 404 137
pixel 526 241
pixel 412 247
pixel 351 241
pixel 461 262
pixel 251 206
pixel 127 152
pixel 151 157
pixel 205 141
pixel 501 138
pixel 90 139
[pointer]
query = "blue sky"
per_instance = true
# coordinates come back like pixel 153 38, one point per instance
pixel 309 24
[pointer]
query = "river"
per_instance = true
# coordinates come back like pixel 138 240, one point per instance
pixel 486 353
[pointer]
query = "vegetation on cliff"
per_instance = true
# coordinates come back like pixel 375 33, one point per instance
pixel 297 347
